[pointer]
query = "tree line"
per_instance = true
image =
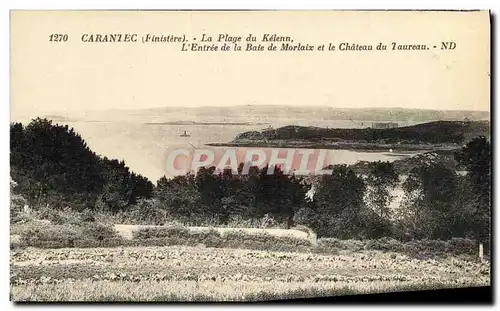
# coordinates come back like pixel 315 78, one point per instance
pixel 53 165
pixel 438 132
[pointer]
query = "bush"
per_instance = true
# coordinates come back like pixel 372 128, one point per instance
pixel 43 234
pixel 20 219
pixel 17 204
pixel 209 238
pixel 175 235
pixel 87 216
pixel 236 221
pixel 179 235
pixel 307 217
pixel 145 212
pixel 59 216
pixel 167 231
pixel 49 235
pixel 426 247
pixel 417 248
pixel 385 244
pixel 98 232
pixel 373 226
pixel 458 246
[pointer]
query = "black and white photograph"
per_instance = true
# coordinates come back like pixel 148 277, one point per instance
pixel 249 156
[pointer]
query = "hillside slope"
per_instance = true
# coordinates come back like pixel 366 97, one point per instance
pixel 439 132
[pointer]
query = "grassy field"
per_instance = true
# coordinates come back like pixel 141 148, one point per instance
pixel 184 273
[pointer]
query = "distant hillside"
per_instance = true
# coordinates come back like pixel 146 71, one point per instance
pixel 439 132
pixel 267 114
pixel 187 123
pixel 326 113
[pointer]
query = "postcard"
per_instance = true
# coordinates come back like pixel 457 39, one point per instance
pixel 221 156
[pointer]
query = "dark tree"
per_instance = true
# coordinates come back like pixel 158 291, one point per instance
pixel 339 201
pixel 381 179
pixel 475 158
pixel 179 195
pixel 433 206
pixel 54 166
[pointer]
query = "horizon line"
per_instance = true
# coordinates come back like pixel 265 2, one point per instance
pixel 264 105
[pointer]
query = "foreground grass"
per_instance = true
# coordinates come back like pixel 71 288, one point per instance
pixel 167 291
pixel 45 234
pixel 180 273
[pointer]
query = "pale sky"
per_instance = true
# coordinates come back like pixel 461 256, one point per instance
pixel 50 76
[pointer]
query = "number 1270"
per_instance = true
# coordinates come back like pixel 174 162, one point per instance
pixel 57 37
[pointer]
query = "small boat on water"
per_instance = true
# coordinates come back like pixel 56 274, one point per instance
pixel 185 134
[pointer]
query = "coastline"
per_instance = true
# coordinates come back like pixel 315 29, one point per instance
pixel 355 146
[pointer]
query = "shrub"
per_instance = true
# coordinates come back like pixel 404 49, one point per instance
pixel 17 204
pixel 20 219
pixel 151 211
pixel 374 226
pixel 49 235
pixel 43 234
pixel 178 235
pixel 59 216
pixel 385 244
pixel 236 221
pixel 416 248
pixel 98 232
pixel 87 216
pixel 458 246
pixel 307 217
pixel 426 247
pixel 209 238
